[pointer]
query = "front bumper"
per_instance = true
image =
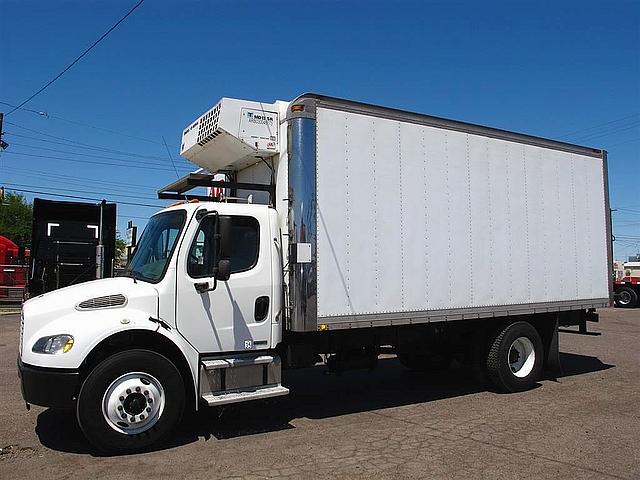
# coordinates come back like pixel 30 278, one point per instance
pixel 48 387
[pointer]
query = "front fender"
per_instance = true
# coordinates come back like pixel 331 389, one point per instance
pixel 88 329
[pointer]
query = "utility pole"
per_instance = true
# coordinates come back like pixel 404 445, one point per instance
pixel 3 144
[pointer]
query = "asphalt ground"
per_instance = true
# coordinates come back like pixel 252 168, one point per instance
pixel 389 423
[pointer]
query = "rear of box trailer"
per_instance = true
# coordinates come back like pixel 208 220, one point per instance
pixel 414 219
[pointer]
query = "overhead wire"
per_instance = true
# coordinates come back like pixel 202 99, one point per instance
pixel 87 125
pixel 67 152
pixel 98 187
pixel 123 195
pixel 55 176
pixel 599 125
pixel 84 146
pixel 606 133
pixel 77 59
pixel 75 142
pixel 94 162
pixel 82 197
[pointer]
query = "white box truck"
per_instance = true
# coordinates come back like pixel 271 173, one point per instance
pixel 344 230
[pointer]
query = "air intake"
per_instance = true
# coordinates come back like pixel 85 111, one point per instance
pixel 208 127
pixel 108 301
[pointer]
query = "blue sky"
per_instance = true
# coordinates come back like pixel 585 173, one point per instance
pixel 566 70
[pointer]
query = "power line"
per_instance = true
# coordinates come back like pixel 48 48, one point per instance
pixel 104 35
pixel 122 215
pixel 93 162
pixel 606 133
pixel 87 125
pixel 82 198
pixel 171 157
pixel 44 114
pixel 67 152
pixel 74 142
pixel 82 146
pixel 123 195
pixel 98 186
pixel 87 182
pixel 626 141
pixel 84 180
pixel 599 125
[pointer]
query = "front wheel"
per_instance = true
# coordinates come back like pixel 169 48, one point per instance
pixel 515 359
pixel 130 401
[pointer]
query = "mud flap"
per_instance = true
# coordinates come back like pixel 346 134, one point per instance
pixel 551 343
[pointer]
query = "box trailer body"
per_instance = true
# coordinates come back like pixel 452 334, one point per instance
pixel 416 219
pixel 344 229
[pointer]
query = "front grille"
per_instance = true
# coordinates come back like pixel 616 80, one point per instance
pixel 108 301
pixel 21 333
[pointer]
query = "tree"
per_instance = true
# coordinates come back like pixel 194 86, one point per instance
pixel 121 251
pixel 16 219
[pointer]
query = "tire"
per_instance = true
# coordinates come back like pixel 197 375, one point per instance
pixel 515 359
pixel 421 362
pixel 142 386
pixel 626 297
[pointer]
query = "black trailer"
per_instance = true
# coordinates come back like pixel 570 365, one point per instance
pixel 65 244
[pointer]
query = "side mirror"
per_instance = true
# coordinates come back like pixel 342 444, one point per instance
pixel 224 270
pixel 224 237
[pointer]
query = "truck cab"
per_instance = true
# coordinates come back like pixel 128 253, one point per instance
pixel 202 293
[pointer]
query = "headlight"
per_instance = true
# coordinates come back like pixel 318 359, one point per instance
pixel 53 344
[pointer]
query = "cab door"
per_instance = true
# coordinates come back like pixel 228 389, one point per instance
pixel 236 315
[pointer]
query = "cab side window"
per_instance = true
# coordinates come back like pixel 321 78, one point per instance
pixel 245 243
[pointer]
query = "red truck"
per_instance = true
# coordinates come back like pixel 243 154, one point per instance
pixel 14 262
pixel 626 287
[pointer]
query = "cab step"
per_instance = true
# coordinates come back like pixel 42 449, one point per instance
pixel 237 361
pixel 240 377
pixel 242 396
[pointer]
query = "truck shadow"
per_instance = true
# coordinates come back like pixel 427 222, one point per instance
pixel 314 395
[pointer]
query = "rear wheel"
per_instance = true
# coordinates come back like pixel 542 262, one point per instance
pixel 515 359
pixel 626 297
pixel 130 401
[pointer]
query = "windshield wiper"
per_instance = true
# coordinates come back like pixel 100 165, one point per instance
pixel 135 275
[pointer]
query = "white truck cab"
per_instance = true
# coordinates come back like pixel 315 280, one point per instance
pixel 171 297
pixel 336 232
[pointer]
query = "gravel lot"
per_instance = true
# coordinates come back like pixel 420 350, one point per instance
pixel 389 423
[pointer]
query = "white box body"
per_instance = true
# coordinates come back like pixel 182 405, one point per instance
pixel 416 218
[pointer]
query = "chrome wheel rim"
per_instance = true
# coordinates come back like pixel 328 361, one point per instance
pixel 522 357
pixel 133 403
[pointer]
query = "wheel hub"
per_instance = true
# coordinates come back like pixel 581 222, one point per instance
pixel 522 357
pixel 625 298
pixel 133 403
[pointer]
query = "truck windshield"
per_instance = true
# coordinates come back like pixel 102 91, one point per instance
pixel 151 256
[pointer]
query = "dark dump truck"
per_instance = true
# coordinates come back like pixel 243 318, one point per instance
pixel 71 243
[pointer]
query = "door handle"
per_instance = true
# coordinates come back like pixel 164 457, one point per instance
pixel 261 309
